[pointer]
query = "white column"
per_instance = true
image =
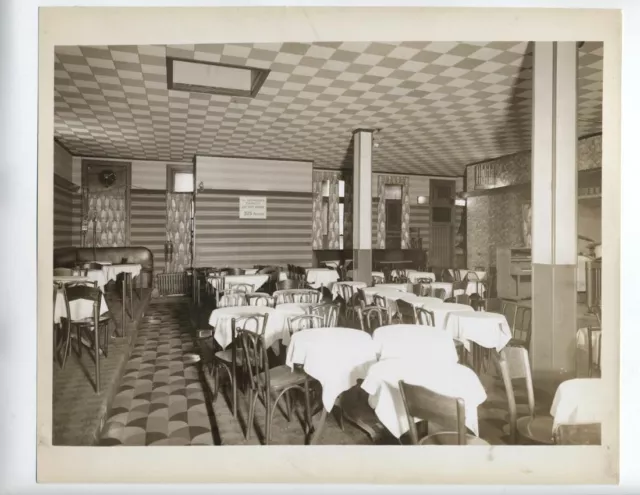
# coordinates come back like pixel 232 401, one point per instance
pixel 362 256
pixel 554 204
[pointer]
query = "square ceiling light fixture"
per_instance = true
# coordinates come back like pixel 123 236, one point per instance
pixel 196 76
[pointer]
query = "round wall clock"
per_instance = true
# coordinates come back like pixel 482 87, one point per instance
pixel 107 178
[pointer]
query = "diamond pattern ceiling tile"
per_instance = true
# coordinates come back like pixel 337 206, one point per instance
pixel 439 105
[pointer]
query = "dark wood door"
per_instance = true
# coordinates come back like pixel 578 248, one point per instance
pixel 394 224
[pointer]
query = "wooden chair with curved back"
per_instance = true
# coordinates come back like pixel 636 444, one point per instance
pixel 303 322
pixel 406 311
pixel 93 327
pixel 371 317
pixel 232 299
pixel 328 312
pixel 231 358
pixel 270 384
pixel 446 412
pixel 238 287
pixel 424 317
pixel 260 299
pixel 521 328
pixel 532 428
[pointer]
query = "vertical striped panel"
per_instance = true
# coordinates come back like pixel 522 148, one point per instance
pixel 420 218
pixel 76 219
pixel 248 174
pixel 62 217
pixel 223 239
pixel 148 223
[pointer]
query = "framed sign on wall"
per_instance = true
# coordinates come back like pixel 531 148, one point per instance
pixel 254 207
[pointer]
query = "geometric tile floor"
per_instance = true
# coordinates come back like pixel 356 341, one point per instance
pixel 165 400
pixel 160 400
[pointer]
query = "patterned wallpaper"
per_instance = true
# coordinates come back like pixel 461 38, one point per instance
pixel 494 220
pixel 516 169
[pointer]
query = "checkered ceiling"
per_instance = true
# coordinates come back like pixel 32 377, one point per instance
pixel 439 105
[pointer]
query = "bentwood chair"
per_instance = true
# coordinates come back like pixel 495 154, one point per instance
pixel 270 384
pixel 231 358
pixel 93 327
pixel 446 412
pixel 328 312
pixel 521 329
pixel 406 312
pixel 580 434
pixel 260 299
pixel 424 317
pixel 371 317
pixel 531 428
pixel 232 299
pixel 238 287
pixel 303 322
pixel 346 291
pixel 509 310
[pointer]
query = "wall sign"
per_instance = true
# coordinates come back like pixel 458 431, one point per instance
pixel 253 207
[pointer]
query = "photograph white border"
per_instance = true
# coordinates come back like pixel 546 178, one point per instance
pixel 340 464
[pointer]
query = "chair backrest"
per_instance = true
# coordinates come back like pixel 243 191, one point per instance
pixel 328 312
pixel 346 291
pixel 302 322
pixel 372 317
pixel 239 287
pixel 581 434
pixel 341 304
pixel 88 291
pixel 462 299
pixel 427 405
pixel 439 293
pixel 380 301
pixel 400 276
pixel 456 275
pixel 521 328
pixel 377 279
pixel 288 284
pixel 63 272
pixel 450 300
pixel 476 302
pixel 260 299
pixel 509 310
pixel 516 359
pixel 425 317
pixel 232 299
pixel 255 357
pixel 407 313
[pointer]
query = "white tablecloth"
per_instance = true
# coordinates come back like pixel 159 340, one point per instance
pixel 111 272
pixel 336 291
pixel 415 342
pixel 447 286
pixel 293 309
pixel 256 281
pixel 490 330
pixel 579 401
pixel 424 302
pixel 80 308
pixel 373 274
pixel 336 357
pixel 388 292
pixel 317 277
pixel 452 379
pixel 99 277
pixel 277 328
pixel 442 310
pixel 582 339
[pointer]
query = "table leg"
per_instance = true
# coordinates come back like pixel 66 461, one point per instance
pixel 124 304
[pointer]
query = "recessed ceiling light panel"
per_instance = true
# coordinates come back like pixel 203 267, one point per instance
pixel 196 76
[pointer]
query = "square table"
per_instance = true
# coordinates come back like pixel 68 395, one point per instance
pixel 580 401
pixel 318 277
pixel 489 330
pixel 276 329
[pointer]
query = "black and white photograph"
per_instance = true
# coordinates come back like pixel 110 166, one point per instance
pixel 330 240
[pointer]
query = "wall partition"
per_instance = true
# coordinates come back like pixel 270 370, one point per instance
pixel 252 211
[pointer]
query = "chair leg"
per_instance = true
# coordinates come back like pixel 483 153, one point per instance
pixel 78 341
pixel 216 381
pixel 287 401
pixel 268 418
pixel 96 350
pixel 253 397
pixel 67 344
pixel 307 406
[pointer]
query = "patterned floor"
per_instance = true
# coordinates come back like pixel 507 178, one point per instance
pixel 163 399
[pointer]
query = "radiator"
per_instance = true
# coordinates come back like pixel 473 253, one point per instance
pixel 171 284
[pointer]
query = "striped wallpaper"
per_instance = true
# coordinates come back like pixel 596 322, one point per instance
pixel 62 216
pixel 148 222
pixel 420 218
pixel 250 174
pixel 76 219
pixel 222 239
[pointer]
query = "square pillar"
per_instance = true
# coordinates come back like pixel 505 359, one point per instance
pixel 362 255
pixel 554 210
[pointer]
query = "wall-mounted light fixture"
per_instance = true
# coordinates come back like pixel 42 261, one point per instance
pixel 423 200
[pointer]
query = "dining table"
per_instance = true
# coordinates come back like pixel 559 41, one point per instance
pixel 440 376
pixel 78 309
pixel 336 289
pixel 441 311
pixel 319 277
pixel 337 358
pixel 277 328
pixel 414 342
pixel 487 329
pixel 415 275
pixel 580 401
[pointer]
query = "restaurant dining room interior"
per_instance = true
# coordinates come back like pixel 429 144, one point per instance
pixel 332 243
